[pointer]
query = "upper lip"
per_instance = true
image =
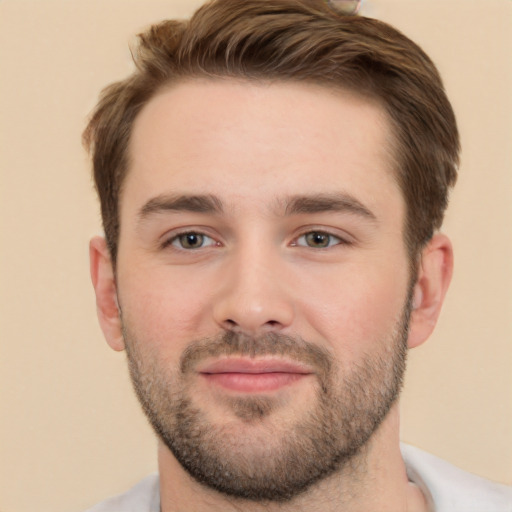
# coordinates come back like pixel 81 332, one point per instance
pixel 256 365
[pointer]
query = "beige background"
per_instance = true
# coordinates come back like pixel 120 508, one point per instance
pixel 71 432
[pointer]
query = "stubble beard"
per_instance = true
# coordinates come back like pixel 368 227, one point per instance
pixel 277 461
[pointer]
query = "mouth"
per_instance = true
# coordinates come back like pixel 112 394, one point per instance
pixel 246 375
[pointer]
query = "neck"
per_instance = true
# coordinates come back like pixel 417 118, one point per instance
pixel 373 480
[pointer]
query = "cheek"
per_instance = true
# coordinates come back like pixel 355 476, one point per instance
pixel 162 308
pixel 355 308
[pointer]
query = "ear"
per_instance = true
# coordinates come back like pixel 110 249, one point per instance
pixel 103 280
pixel 434 276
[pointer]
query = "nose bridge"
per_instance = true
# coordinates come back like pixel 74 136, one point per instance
pixel 254 295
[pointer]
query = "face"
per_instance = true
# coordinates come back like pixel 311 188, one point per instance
pixel 262 280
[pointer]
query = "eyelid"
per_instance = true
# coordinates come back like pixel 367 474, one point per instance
pixel 171 237
pixel 342 238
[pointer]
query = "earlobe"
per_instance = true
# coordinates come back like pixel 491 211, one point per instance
pixel 434 276
pixel 103 280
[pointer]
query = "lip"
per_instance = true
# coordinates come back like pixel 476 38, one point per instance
pixel 249 365
pixel 253 375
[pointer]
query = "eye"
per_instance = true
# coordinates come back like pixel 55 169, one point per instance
pixel 318 240
pixel 191 240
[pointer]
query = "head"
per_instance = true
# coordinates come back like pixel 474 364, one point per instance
pixel 271 178
pixel 291 40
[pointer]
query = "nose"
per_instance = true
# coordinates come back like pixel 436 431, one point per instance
pixel 254 296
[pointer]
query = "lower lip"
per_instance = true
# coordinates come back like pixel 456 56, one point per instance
pixel 253 382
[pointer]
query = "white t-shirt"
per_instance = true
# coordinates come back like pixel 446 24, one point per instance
pixel 446 488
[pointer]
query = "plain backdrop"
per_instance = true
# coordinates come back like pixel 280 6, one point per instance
pixel 71 432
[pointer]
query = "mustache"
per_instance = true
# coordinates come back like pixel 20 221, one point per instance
pixel 269 344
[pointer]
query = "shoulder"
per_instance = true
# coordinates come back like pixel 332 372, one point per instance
pixel 143 497
pixel 452 489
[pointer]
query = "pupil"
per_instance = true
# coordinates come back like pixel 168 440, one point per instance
pixel 318 239
pixel 191 240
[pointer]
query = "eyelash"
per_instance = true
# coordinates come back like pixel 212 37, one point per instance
pixel 177 240
pixel 320 233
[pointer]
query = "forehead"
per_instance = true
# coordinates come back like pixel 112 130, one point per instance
pixel 256 142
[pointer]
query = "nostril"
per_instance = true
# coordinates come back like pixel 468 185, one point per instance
pixel 231 325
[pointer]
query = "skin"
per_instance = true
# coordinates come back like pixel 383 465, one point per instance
pixel 255 147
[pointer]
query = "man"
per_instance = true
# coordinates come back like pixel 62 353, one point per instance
pixel 272 181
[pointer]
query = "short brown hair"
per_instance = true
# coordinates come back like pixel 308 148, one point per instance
pixel 299 40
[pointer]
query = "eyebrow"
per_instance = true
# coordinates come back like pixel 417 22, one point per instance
pixel 294 205
pixel 187 203
pixel 319 203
